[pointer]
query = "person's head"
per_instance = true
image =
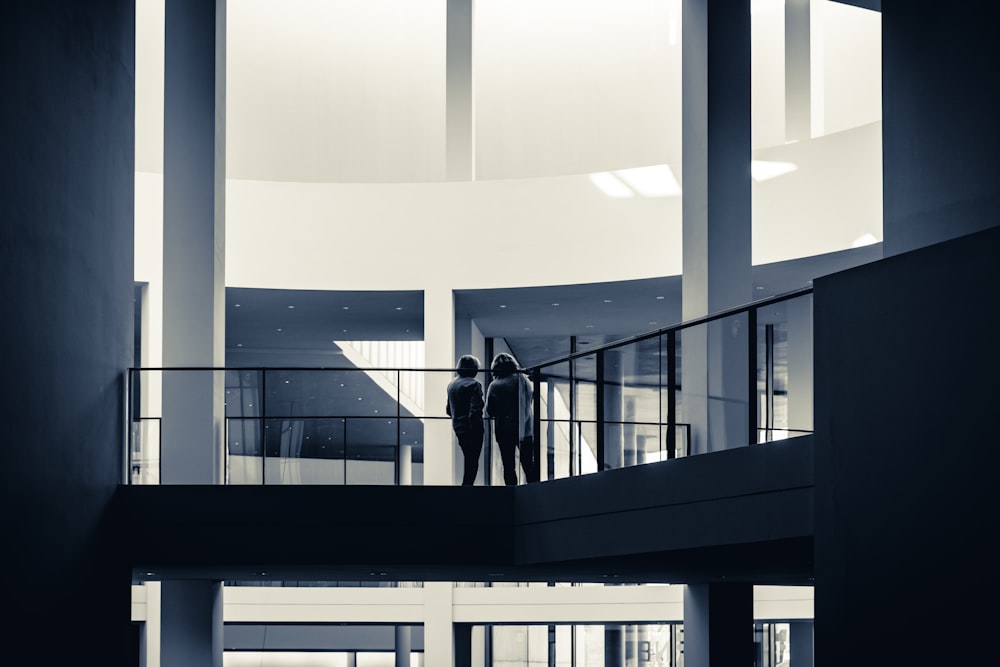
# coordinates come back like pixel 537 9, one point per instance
pixel 468 366
pixel 503 365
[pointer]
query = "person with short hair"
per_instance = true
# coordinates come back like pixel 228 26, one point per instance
pixel 465 407
pixel 508 404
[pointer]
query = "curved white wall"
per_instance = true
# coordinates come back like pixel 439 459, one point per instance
pixel 335 134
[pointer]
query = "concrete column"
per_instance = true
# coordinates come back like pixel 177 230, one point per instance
pixel 798 114
pixel 800 365
pixel 439 627
pixel 405 465
pixel 460 120
pixel 403 645
pixel 191 623
pixel 718 625
pixel 614 408
pixel 716 216
pixel 463 644
pixel 630 441
pixel 614 646
pixel 439 352
pixel 193 240
pixel 800 643
pixel 479 646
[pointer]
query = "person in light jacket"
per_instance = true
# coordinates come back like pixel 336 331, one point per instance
pixel 508 404
pixel 465 407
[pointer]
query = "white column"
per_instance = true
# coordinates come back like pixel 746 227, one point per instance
pixel 800 365
pixel 798 74
pixel 193 240
pixel 191 623
pixel 405 464
pixel 716 216
pixel 614 443
pixel 460 128
pixel 439 633
pixel 439 352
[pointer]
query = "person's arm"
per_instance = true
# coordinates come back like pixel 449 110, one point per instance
pixel 476 403
pixel 490 400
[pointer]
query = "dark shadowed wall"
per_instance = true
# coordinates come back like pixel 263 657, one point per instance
pixel 940 135
pixel 907 457
pixel 66 291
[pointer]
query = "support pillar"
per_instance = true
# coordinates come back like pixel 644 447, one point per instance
pixel 800 365
pixel 439 353
pixel 614 439
pixel 614 646
pixel 800 643
pixel 439 627
pixel 798 66
pixel 459 123
pixel 193 241
pixel 191 623
pixel 716 218
pixel 718 625
pixel 403 645
pixel 463 644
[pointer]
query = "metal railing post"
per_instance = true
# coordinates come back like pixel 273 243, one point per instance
pixel 671 394
pixel 752 414
pixel 599 390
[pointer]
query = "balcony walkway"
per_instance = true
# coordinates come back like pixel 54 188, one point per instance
pixel 738 515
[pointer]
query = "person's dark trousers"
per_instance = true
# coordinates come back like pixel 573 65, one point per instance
pixel 528 460
pixel 472 447
pixel 508 447
pixel 506 434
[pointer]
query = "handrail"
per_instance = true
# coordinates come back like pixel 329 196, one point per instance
pixel 722 314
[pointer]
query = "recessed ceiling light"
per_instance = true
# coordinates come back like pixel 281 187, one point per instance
pixel 292 307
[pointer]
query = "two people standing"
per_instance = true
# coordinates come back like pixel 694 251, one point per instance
pixel 507 403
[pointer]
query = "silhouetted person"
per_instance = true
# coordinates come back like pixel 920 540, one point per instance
pixel 508 404
pixel 465 407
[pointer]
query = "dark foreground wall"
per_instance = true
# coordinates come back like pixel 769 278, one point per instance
pixel 66 293
pixel 940 136
pixel 907 457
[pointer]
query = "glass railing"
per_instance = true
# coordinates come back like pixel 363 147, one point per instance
pixel 739 377
pixel 732 379
pixel 278 425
